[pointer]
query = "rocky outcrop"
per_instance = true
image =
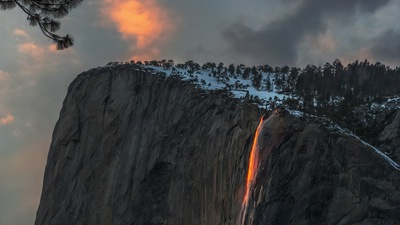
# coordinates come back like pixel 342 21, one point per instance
pixel 309 174
pixel 379 125
pixel 389 138
pixel 136 148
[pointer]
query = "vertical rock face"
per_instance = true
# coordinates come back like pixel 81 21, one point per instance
pixel 136 148
pixel 389 138
pixel 310 175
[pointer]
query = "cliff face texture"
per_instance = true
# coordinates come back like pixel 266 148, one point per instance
pixel 311 175
pixel 135 148
pixel 389 138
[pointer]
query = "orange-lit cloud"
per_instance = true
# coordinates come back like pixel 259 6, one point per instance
pixel 319 49
pixel 321 44
pixel 35 57
pixel 146 23
pixel 360 55
pixel 8 119
pixel 31 49
pixel 21 33
pixel 53 49
pixel 23 172
pixel 27 46
pixel 326 42
pixel 4 76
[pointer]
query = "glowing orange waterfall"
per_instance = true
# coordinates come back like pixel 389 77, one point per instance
pixel 253 162
pixel 252 171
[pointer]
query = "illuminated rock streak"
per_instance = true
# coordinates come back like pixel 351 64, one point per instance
pixel 251 172
pixel 253 161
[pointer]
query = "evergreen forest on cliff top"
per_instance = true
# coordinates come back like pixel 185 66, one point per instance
pixel 335 91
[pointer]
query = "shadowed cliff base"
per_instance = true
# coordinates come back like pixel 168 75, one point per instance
pixel 138 148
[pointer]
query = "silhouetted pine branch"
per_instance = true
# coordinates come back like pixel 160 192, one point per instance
pixel 43 13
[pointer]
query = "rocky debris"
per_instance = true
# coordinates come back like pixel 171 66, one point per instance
pixel 132 147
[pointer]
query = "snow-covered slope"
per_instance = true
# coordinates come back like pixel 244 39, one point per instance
pixel 243 88
pixel 241 83
pixel 238 86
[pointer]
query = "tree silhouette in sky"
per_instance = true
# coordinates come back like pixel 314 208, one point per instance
pixel 44 13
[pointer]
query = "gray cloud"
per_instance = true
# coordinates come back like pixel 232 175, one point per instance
pixel 36 84
pixel 278 41
pixel 36 87
pixel 386 46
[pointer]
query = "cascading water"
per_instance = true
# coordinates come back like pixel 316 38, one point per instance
pixel 251 173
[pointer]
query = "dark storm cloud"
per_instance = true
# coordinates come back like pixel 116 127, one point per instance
pixel 386 46
pixel 277 42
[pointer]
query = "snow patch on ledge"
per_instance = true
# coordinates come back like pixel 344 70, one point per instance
pixel 296 113
pixel 336 128
pixel 383 155
pixel 240 88
pixel 206 81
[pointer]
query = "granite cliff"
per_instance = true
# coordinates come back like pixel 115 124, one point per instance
pixel 311 174
pixel 131 147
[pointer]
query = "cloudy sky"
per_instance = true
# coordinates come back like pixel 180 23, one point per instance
pixel 34 77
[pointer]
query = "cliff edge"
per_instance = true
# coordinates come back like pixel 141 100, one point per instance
pixel 310 173
pixel 131 147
